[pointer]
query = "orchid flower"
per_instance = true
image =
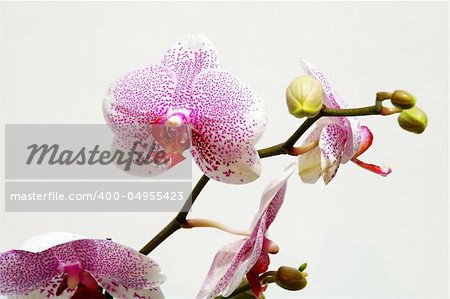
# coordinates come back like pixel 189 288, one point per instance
pixel 337 140
pixel 227 118
pixel 77 268
pixel 248 257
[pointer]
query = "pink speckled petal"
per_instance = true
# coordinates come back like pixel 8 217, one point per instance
pixel 22 272
pixel 333 100
pixel 140 96
pixel 105 258
pixel 48 290
pixel 228 119
pixel 331 143
pixel 119 291
pixel 309 167
pixel 191 54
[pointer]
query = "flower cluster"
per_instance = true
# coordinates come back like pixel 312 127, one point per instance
pixel 189 102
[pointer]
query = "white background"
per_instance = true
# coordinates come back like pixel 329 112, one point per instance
pixel 362 235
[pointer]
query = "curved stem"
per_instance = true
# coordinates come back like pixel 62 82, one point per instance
pixel 279 149
pixel 177 222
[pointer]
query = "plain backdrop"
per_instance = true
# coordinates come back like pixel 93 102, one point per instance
pixel 363 235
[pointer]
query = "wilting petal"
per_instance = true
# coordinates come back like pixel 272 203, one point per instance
pixel 227 120
pixel 245 259
pixel 231 264
pixel 118 291
pixel 190 55
pixel 238 265
pixel 332 141
pixel 219 266
pixel 273 196
pixel 140 97
pixel 22 272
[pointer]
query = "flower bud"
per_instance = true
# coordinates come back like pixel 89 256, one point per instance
pixel 290 279
pixel 403 99
pixel 413 120
pixel 304 96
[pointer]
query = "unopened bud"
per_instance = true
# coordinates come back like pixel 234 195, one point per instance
pixel 304 96
pixel 403 99
pixel 290 279
pixel 413 120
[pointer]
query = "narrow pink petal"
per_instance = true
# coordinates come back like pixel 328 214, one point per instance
pixel 381 170
pixel 228 119
pixel 22 272
pixel 190 55
pixel 119 291
pixel 332 141
pixel 366 142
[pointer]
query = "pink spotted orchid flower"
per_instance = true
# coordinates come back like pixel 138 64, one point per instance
pixel 248 257
pixel 189 87
pixel 77 268
pixel 338 139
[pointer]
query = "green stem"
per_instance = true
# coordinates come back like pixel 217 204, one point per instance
pixel 279 149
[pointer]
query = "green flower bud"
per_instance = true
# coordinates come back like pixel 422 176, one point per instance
pixel 303 267
pixel 403 99
pixel 304 96
pixel 290 279
pixel 413 120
